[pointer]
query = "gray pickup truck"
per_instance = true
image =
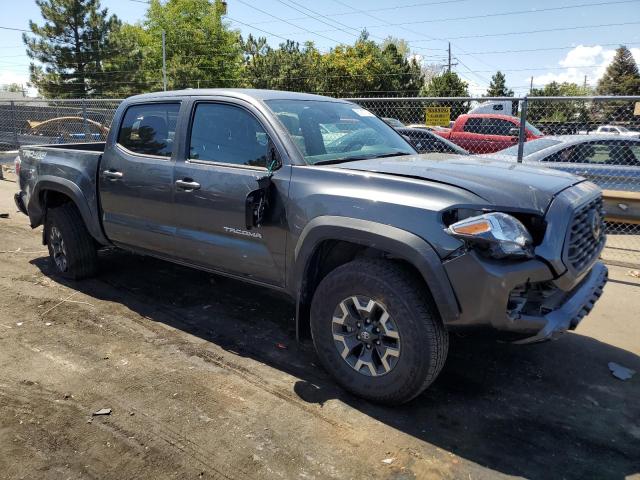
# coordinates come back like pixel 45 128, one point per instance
pixel 384 252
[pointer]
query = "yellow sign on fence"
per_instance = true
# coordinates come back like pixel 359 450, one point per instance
pixel 636 110
pixel 438 116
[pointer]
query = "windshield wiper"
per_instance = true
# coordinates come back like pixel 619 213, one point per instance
pixel 362 157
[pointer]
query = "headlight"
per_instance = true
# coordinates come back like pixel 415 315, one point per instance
pixel 498 234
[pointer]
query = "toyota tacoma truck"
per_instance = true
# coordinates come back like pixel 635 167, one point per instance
pixel 384 252
pixel 487 132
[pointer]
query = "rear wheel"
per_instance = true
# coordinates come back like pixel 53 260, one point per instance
pixel 71 247
pixel 376 330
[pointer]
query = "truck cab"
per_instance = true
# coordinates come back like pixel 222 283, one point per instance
pixel 487 132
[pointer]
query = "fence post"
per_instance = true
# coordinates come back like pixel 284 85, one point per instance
pixel 522 136
pixel 14 123
pixel 85 124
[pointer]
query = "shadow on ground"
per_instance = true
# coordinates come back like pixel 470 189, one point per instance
pixel 543 411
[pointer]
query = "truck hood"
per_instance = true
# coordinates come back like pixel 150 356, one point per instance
pixel 499 183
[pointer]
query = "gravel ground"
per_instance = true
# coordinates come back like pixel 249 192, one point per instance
pixel 204 380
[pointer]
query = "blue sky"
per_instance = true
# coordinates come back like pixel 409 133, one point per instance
pixel 574 42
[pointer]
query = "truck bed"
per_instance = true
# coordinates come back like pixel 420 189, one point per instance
pixel 69 168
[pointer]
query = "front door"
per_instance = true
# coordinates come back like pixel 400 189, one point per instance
pixel 227 151
pixel 136 178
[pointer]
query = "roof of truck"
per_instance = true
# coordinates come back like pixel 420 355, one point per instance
pixel 253 93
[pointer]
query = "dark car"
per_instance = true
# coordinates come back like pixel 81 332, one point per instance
pixel 383 251
pixel 425 141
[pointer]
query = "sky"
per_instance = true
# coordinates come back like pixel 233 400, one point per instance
pixel 561 40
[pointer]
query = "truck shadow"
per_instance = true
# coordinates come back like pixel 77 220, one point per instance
pixel 542 411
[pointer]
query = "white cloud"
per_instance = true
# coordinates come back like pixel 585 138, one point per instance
pixel 580 61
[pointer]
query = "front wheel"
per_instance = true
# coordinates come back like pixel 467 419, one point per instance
pixel 376 330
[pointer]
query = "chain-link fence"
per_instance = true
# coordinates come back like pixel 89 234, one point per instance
pixel 594 137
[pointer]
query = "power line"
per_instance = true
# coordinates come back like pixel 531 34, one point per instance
pixel 568 47
pixel 397 7
pixel 15 29
pixel 287 22
pixel 527 32
pixel 497 14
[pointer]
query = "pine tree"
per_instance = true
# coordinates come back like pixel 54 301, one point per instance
pixel 73 43
pixel 622 76
pixel 498 86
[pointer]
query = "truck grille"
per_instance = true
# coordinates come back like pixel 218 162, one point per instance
pixel 586 237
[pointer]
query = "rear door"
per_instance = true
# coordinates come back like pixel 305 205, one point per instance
pixel 227 149
pixel 136 178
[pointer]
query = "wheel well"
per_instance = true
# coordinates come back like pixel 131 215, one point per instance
pixel 51 199
pixel 329 255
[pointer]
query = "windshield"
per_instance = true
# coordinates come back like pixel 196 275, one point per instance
pixel 622 129
pixel 533 130
pixel 327 132
pixel 530 147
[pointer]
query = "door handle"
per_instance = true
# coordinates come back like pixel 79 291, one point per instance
pixel 112 174
pixel 187 185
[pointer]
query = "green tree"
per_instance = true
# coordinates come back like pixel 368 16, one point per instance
pixel 72 46
pixel 289 67
pixel 13 87
pixel 622 76
pixel 447 84
pixel 365 68
pixel 567 111
pixel 498 86
pixel 402 46
pixel 202 51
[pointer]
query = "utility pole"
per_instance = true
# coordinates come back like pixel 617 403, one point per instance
pixel 585 81
pixel 531 85
pixel 449 63
pixel 164 61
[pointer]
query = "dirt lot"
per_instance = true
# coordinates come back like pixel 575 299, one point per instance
pixel 190 365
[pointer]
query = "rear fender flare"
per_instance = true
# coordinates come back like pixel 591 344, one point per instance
pixel 37 211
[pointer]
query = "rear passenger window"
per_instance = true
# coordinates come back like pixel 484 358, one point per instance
pixel 149 129
pixel 227 134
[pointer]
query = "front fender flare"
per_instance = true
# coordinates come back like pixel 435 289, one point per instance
pixel 397 242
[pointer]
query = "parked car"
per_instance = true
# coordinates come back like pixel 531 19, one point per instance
pixel 428 127
pixel 382 250
pixel 613 164
pixel 393 122
pixel 612 130
pixel 487 133
pixel 425 141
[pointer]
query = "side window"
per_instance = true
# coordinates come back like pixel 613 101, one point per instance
pixel 149 129
pixel 227 134
pixel 624 152
pixel 502 127
pixel 473 125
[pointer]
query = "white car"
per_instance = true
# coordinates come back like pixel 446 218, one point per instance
pixel 615 130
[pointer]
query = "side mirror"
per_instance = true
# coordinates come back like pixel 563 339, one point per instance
pixel 514 132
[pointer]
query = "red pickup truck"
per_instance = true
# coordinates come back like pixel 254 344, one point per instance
pixel 487 132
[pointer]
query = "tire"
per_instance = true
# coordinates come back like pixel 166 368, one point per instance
pixel 413 359
pixel 71 248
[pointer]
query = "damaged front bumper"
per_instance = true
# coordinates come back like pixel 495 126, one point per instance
pixel 521 298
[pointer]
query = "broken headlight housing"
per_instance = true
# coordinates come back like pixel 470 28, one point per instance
pixel 496 234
